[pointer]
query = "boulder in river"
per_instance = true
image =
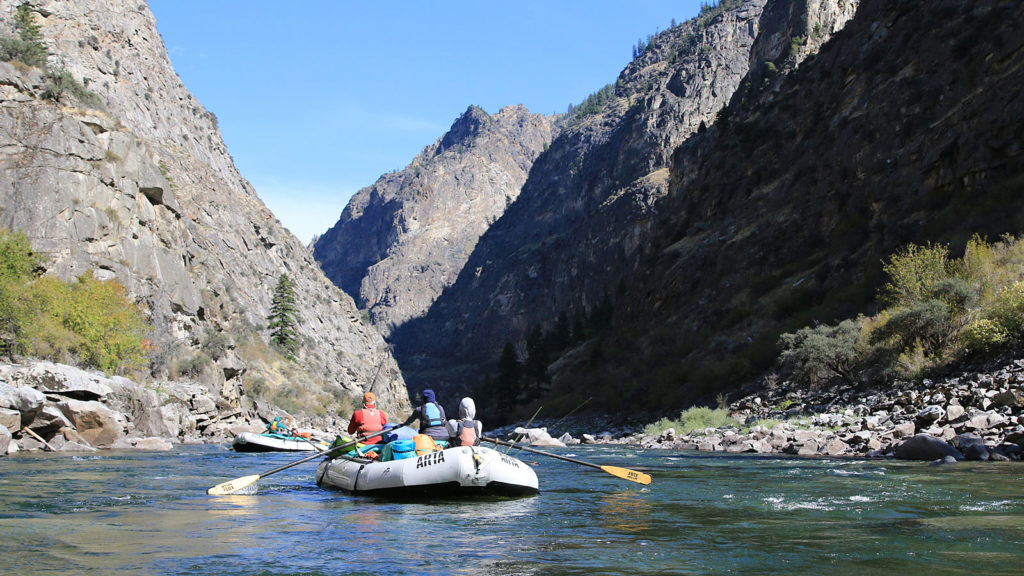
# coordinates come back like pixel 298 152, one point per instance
pixel 926 447
pixel 5 440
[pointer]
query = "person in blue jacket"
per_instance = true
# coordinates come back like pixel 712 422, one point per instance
pixel 431 417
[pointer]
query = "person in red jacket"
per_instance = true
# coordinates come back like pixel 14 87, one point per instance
pixel 368 419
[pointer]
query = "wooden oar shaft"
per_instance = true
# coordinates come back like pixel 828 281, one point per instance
pixel 624 473
pixel 237 484
pixel 535 451
pixel 326 452
pixel 38 437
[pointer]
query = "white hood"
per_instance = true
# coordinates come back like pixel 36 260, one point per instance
pixel 467 409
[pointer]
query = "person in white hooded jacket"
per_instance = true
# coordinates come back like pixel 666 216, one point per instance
pixel 466 431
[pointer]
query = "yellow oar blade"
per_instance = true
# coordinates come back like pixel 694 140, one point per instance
pixel 233 486
pixel 626 473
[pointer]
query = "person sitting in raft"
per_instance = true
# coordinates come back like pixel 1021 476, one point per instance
pixel 368 419
pixel 465 431
pixel 275 426
pixel 431 417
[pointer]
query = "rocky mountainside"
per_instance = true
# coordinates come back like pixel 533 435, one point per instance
pixel 703 231
pixel 400 242
pixel 905 127
pixel 139 186
pixel 580 229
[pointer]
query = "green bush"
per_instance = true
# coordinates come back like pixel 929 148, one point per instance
pixel 216 343
pixel 819 354
pixel 938 310
pixel 984 336
pixel 17 50
pixel 914 274
pixel 86 321
pixel 59 83
pixel 194 366
pixel 1007 310
pixel 691 419
pixel 923 322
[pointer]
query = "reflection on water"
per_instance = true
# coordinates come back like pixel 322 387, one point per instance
pixel 148 513
pixel 626 511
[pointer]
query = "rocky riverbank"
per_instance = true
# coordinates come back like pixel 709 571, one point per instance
pixel 53 406
pixel 972 415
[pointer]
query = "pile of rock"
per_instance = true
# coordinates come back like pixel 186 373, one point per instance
pixel 973 415
pixel 54 406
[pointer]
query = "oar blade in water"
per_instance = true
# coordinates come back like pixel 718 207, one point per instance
pixel 626 473
pixel 243 485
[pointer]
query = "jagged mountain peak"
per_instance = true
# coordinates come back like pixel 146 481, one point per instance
pixel 400 242
pixel 465 128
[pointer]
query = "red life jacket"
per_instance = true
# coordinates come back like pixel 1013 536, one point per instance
pixel 369 420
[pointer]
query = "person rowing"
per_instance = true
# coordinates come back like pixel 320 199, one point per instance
pixel 431 417
pixel 368 419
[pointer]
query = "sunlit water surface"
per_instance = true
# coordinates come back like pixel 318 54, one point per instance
pixel 148 513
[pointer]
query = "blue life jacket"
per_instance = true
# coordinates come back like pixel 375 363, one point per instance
pixel 432 413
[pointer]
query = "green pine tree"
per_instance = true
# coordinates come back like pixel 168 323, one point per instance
pixel 281 321
pixel 28 47
pixel 26 25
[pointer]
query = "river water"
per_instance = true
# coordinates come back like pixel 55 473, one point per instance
pixel 130 512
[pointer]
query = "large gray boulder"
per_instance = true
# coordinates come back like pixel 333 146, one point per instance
pixel 10 419
pixel 5 440
pixel 96 424
pixel 27 401
pixel 926 447
pixel 536 437
pixel 68 381
pixel 50 421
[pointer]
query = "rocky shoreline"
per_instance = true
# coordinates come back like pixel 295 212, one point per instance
pixel 972 415
pixel 54 406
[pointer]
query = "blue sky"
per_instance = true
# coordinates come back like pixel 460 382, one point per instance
pixel 317 99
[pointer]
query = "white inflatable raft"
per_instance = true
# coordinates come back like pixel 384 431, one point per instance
pixel 251 442
pixel 454 471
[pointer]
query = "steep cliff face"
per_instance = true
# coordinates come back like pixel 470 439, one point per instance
pixel 906 127
pixel 400 242
pixel 580 225
pixel 142 189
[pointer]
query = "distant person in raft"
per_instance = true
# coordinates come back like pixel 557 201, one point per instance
pixel 276 426
pixel 368 419
pixel 466 431
pixel 431 417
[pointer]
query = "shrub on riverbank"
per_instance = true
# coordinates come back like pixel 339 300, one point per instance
pixel 696 418
pixel 88 322
pixel 937 310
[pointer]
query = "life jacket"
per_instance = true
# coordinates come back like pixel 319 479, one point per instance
pixel 432 415
pixel 424 444
pixel 370 421
pixel 466 436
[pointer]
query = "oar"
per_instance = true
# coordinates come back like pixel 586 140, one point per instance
pixel 239 484
pixel 37 437
pixel 625 473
